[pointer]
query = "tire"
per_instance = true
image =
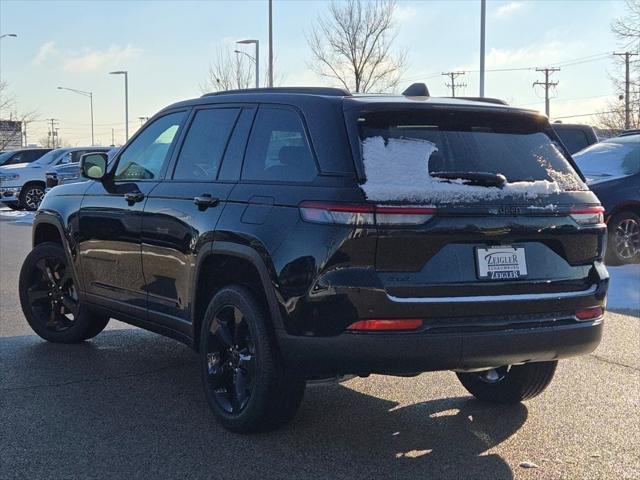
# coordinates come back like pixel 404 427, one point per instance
pixel 247 386
pixel 510 384
pixel 623 242
pixel 49 298
pixel 31 196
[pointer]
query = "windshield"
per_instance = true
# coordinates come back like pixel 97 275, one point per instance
pixel 611 158
pixel 418 149
pixel 50 157
pixel 4 156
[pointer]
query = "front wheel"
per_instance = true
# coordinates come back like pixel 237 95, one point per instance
pixel 509 384
pixel 31 196
pixel 247 386
pixel 50 300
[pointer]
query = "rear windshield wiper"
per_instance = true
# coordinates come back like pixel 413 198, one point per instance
pixel 484 179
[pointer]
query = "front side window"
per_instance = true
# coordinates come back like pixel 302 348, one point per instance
pixel 144 158
pixel 278 148
pixel 204 144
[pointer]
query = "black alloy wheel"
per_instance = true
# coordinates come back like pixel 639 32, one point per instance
pixel 248 386
pixel 231 358
pixel 52 294
pixel 50 298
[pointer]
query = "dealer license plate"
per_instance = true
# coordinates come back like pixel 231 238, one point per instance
pixel 501 263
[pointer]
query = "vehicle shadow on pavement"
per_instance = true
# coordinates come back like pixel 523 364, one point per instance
pixel 129 404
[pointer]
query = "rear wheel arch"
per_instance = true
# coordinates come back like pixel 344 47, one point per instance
pixel 633 207
pixel 232 264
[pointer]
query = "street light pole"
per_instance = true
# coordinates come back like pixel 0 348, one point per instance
pixel 270 84
pixel 86 94
pixel 5 35
pixel 126 100
pixel 257 58
pixel 483 20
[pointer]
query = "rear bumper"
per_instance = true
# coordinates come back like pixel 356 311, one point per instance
pixel 405 353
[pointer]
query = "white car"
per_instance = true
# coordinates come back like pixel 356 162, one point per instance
pixel 22 185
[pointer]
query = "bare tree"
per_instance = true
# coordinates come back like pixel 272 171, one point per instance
pixel 627 30
pixel 353 45
pixel 228 71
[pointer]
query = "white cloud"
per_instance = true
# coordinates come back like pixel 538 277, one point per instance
pixel 508 9
pixel 403 13
pixel 46 51
pixel 98 59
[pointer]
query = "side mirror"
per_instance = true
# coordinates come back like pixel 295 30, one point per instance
pixel 94 165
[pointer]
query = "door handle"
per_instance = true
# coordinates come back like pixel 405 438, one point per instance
pixel 134 197
pixel 205 201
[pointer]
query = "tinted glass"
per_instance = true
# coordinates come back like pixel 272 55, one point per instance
pixel 144 158
pixel 613 158
pixel 278 148
pixel 204 144
pixel 517 147
pixel 573 139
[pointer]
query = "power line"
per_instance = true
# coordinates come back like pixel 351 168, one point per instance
pixel 453 85
pixel 547 84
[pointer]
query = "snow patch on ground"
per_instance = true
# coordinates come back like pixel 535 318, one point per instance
pixel 398 170
pixel 624 287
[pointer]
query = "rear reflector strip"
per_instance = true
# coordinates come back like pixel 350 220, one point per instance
pixel 364 214
pixel 589 313
pixel 588 215
pixel 385 325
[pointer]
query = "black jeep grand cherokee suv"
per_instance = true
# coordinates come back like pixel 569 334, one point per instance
pixel 304 233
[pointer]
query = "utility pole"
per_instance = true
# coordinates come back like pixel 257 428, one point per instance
pixel 483 21
pixel 24 132
pixel 627 82
pixel 113 137
pixel 453 84
pixel 547 85
pixel 270 44
pixel 51 136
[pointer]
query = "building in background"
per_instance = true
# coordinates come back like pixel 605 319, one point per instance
pixel 10 134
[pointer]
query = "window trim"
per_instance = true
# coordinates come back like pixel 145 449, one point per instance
pixel 170 152
pixel 305 129
pixel 171 170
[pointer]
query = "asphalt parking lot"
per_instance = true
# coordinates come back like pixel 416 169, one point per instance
pixel 129 404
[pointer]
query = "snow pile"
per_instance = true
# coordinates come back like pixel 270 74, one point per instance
pixel 399 170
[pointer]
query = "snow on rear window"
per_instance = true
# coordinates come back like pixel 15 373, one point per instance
pixel 397 169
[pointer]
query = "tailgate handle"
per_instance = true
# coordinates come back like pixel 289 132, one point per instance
pixel 205 201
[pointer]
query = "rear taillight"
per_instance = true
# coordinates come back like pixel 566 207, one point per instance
pixel 379 325
pixel 589 313
pixel 588 215
pixel 364 214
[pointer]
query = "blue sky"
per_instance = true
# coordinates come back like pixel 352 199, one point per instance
pixel 167 46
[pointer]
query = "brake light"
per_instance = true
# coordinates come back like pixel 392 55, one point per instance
pixel 380 325
pixel 589 313
pixel 588 215
pixel 365 214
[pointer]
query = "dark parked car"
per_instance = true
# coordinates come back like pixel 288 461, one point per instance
pixel 305 233
pixel 24 155
pixel 612 168
pixel 575 137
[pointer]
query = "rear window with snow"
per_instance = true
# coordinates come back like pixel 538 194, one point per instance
pixel 406 155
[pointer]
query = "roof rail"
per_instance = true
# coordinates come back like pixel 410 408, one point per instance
pixel 631 131
pixel 497 101
pixel 326 91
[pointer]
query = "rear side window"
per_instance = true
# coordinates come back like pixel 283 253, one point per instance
pixel 204 144
pixel 278 149
pixel 572 138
